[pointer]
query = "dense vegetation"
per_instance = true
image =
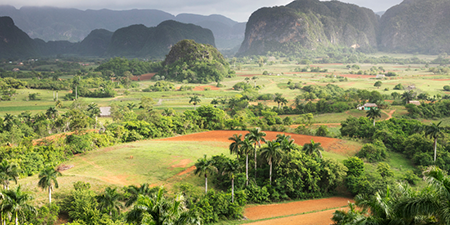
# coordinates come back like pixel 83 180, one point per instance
pixel 195 63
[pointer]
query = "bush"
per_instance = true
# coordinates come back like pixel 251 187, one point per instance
pixel 411 177
pixel 446 88
pixel 257 194
pixel 322 131
pixel 355 166
pixel 384 170
pixel 375 152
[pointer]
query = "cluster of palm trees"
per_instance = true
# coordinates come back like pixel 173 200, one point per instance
pixel 15 202
pixel 403 204
pixel 272 152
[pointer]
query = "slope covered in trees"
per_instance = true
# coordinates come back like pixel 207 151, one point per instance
pixel 416 26
pixel 196 63
pixel 309 24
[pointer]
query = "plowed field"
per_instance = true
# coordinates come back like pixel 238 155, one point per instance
pixel 329 144
pixel 292 208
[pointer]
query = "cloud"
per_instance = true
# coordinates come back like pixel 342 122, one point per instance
pixel 239 10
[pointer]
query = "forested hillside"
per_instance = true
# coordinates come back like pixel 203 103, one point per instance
pixel 309 24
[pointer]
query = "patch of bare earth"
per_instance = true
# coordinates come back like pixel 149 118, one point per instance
pixel 222 136
pixel 317 218
pixel 293 208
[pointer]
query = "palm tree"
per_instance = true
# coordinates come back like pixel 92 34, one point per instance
pixel 408 96
pixel 131 105
pixel 51 113
pixel 203 167
pixel 135 191
pixel 246 148
pixel 231 168
pixel 256 136
pixel 434 131
pixel 279 99
pixel 195 100
pixel 47 178
pixel 94 110
pixel 158 210
pixel 8 172
pixel 254 78
pixel 109 201
pixel 433 201
pixel 374 113
pixel 16 202
pixel 313 148
pixel 235 146
pixel 286 143
pixel 273 154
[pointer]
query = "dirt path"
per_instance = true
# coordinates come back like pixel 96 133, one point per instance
pixel 292 208
pixel 159 102
pixel 317 218
pixel 319 124
pixel 389 114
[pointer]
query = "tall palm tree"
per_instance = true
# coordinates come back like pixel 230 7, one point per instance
pixel 256 136
pixel 279 99
pixel 131 105
pixel 434 131
pixel 273 154
pixel 16 203
pixel 235 146
pixel 407 96
pixel 232 168
pixel 286 143
pixel 8 172
pixel 246 148
pixel 433 201
pixel 158 210
pixel 204 167
pixel 51 113
pixel 254 78
pixel 195 100
pixel 135 191
pixel 47 178
pixel 109 201
pixel 313 148
pixel 374 113
pixel 94 111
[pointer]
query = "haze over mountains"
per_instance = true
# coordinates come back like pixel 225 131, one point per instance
pixel 57 24
pixel 414 26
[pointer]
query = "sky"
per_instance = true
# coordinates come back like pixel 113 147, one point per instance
pixel 239 10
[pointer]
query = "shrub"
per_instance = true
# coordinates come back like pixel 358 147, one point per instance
pixel 375 152
pixel 410 177
pixel 384 170
pixel 446 88
pixel 322 131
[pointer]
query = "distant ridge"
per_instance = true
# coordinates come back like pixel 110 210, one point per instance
pixel 132 41
pixel 58 24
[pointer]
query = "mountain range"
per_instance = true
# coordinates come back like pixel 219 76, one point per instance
pixel 65 24
pixel 414 26
pixel 131 41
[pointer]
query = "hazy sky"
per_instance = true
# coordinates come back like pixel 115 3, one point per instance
pixel 239 10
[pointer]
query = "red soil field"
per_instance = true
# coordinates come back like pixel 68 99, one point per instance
pixel 292 208
pixel 143 77
pixel 318 218
pixel 329 144
pixel 356 76
pixel 441 79
pixel 202 88
pixel 248 75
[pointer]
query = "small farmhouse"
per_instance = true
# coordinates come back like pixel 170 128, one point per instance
pixel 105 111
pixel 368 106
